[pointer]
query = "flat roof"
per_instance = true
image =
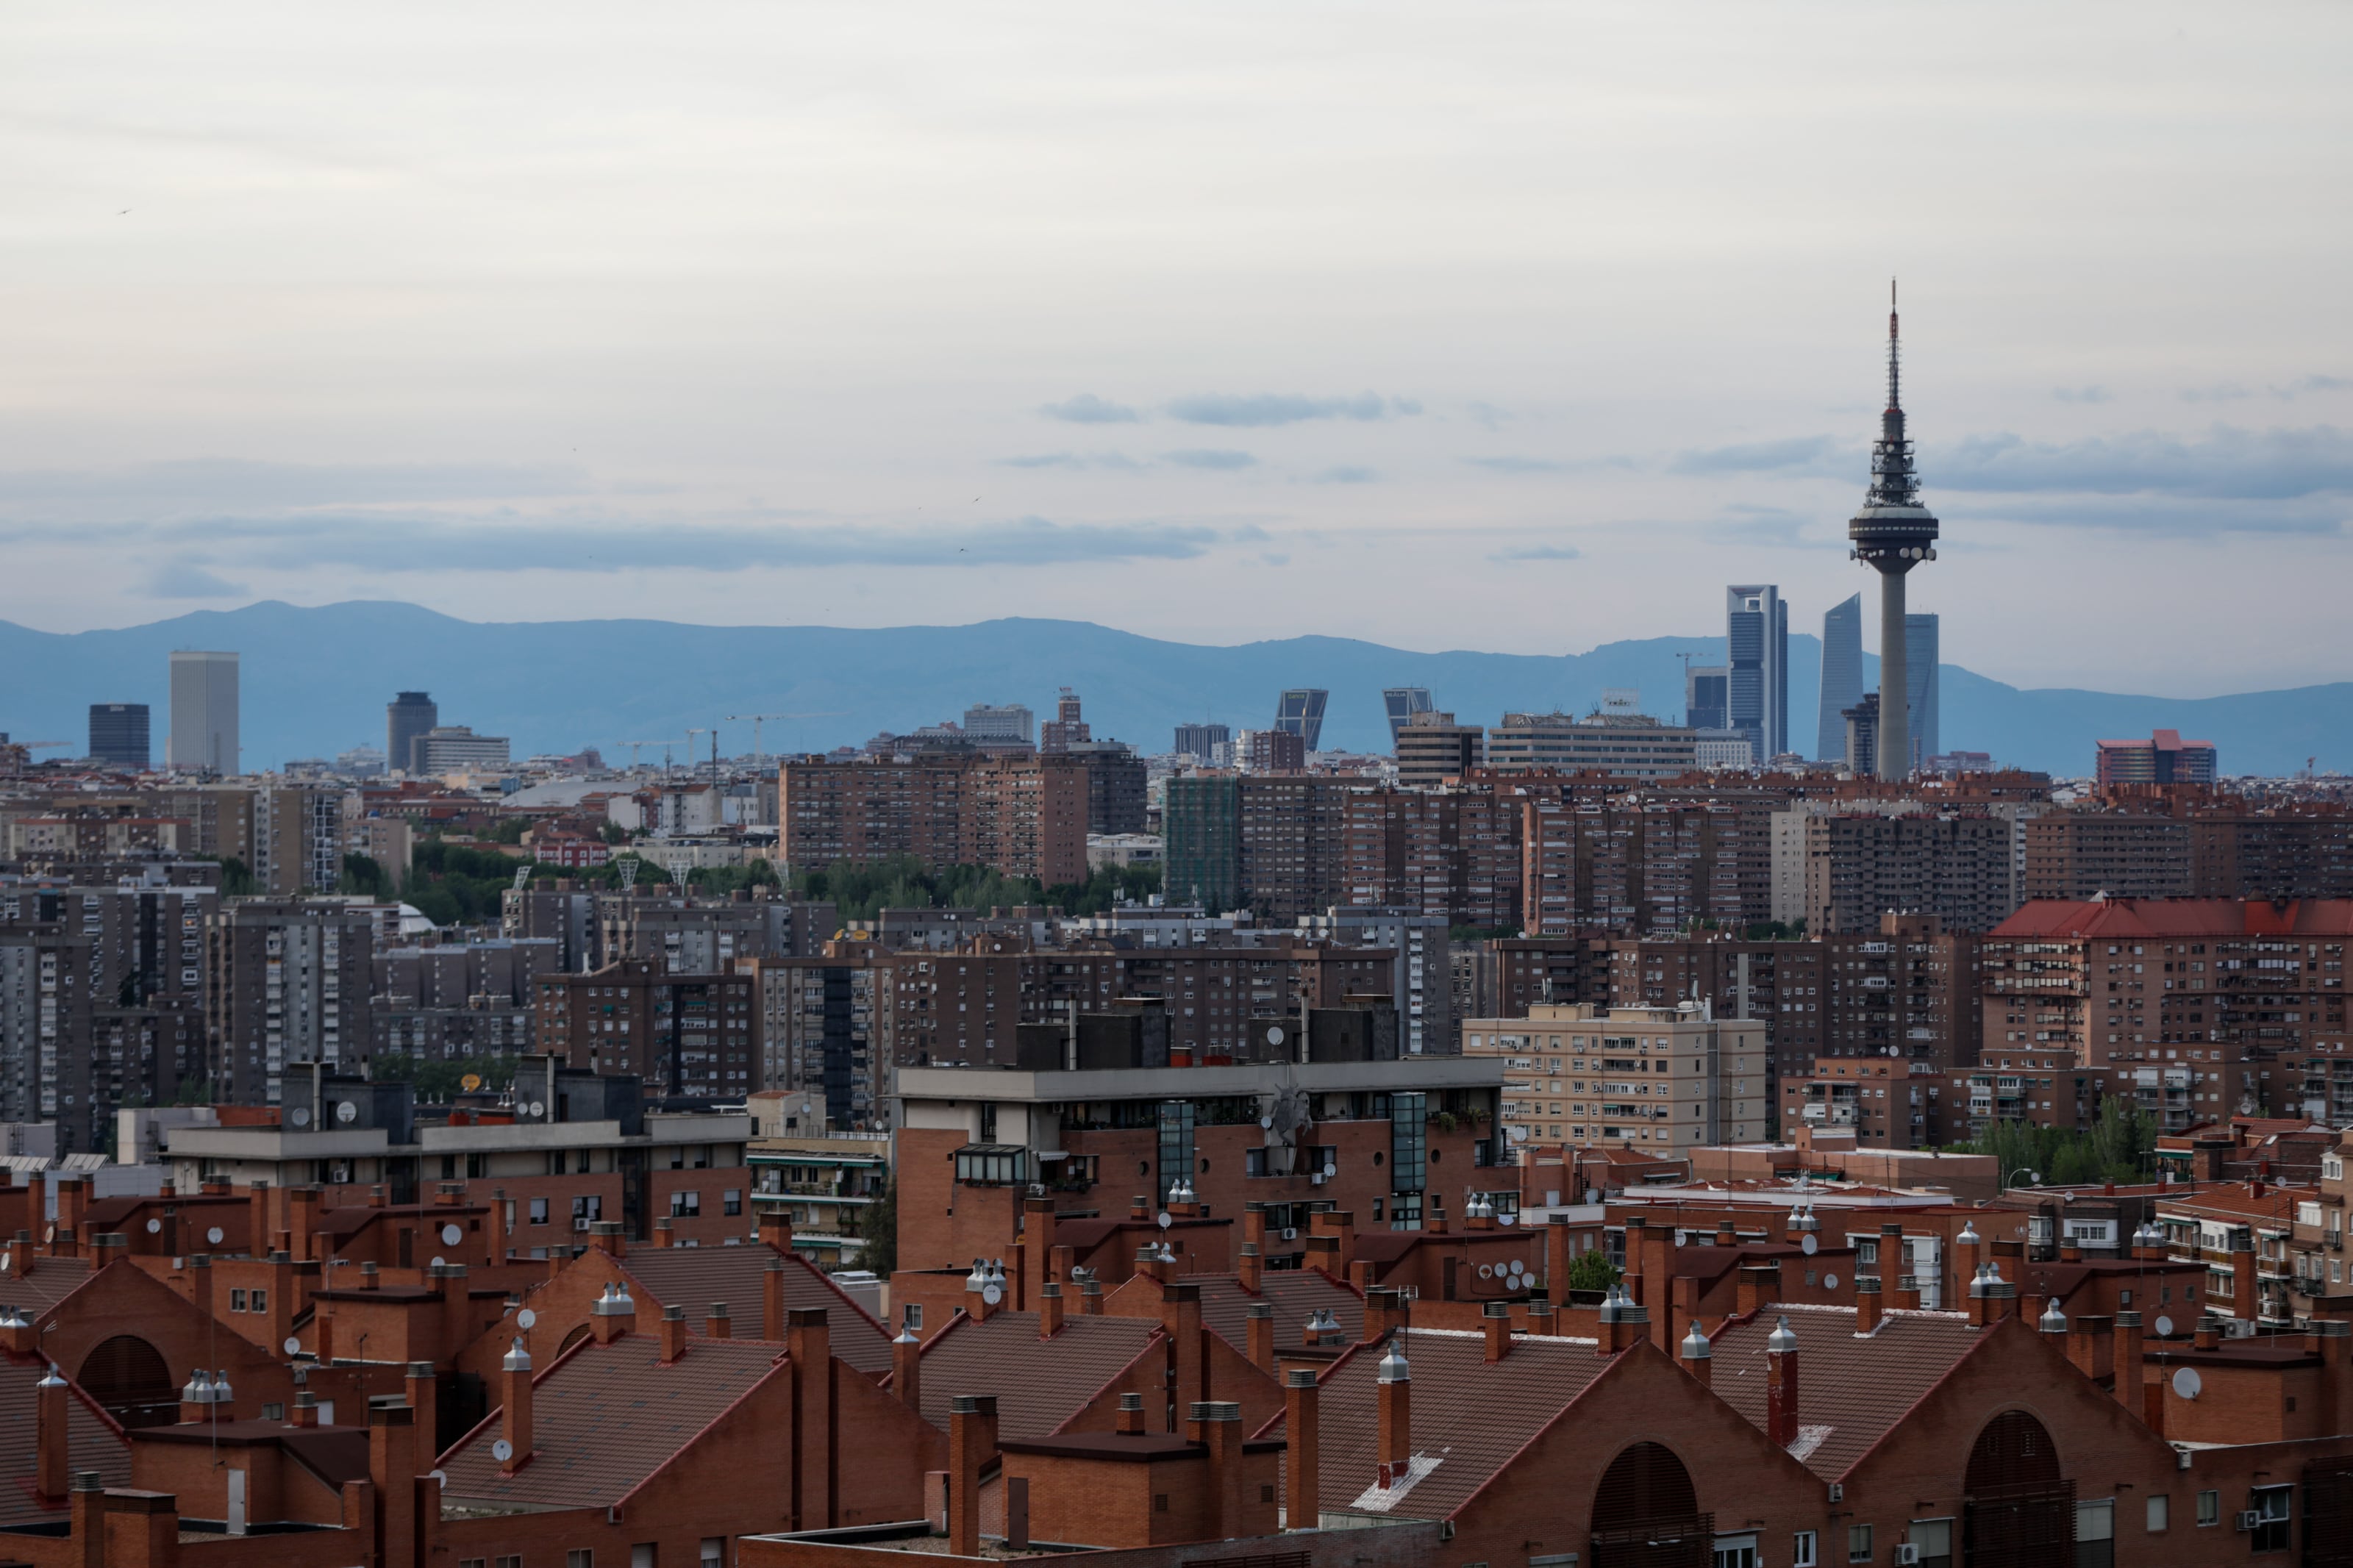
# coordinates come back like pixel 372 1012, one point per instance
pixel 1407 1074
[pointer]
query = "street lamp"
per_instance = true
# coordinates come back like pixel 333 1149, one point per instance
pixel 2033 1178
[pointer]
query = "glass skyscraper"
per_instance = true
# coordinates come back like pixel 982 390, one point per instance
pixel 1756 637
pixel 1920 686
pixel 1841 677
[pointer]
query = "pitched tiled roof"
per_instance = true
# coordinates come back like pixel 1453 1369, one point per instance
pixel 604 1417
pixel 92 1443
pixel 1858 1388
pixel 51 1281
pixel 1296 1292
pixel 695 1277
pixel 2125 917
pixel 1468 1416
pixel 2232 1202
pixel 1039 1384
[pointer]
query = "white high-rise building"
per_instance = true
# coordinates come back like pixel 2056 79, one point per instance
pixel 204 712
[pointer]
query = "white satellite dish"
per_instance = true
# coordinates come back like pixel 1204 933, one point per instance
pixel 439 1262
pixel 154 1226
pixel 1592 1194
pixel 1506 1219
pixel 526 1318
pixel 300 1116
pixel 539 1108
pixel 1829 1281
pixel 992 1294
pixel 214 1236
pixel 292 1346
pixel 347 1110
pixel 438 1478
pixel 1167 1219
pixel 1275 1035
pixel 1809 1245
pixel 451 1236
pixel 2187 1383
pixel 1519 1134
pixel 1486 1272
pixel 503 1450
pixel 2164 1328
pixel 1266 1124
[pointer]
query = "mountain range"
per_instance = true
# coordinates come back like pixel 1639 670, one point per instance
pixel 315 682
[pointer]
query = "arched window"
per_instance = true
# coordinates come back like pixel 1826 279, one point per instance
pixel 1646 1512
pixel 129 1379
pixel 2020 1508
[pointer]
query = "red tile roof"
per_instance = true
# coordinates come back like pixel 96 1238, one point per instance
pixel 606 1417
pixel 93 1442
pixel 2124 919
pixel 50 1282
pixel 1039 1384
pixel 1468 1417
pixel 2233 1200
pixel 1850 1391
pixel 1296 1292
pixel 695 1277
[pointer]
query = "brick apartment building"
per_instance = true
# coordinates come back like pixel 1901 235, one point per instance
pixel 1659 1080
pixel 287 982
pixel 1023 816
pixel 694 1034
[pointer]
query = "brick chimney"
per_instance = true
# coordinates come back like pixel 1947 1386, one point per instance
pixel 1866 1304
pixel 73 1205
pixel 1395 1393
pixel 1781 1385
pixel 2208 1335
pixel 612 1315
pixel 717 1325
pixel 808 1345
pixel 19 1334
pixel 1259 1322
pixel 672 1331
pixel 1301 1501
pixel 1217 1426
pixel 2090 1341
pixel 2128 1361
pixel 1697 1356
pixel 1139 1208
pixel 1254 1226
pixel 1090 1296
pixel 1251 1268
pixel 1496 1318
pixel 1627 1327
pixel 907 1370
pixel 772 1300
pixel 1725 1235
pixel 50 1444
pixel 972 1442
pixel 1129 1419
pixel 370 1276
pixel 256 1216
pixel 1180 1318
pixel 606 1237
pixel 775 1227
pixel 665 1232
pixel 1556 1261
pixel 2243 1293
pixel 306 1409
pixel 514 1399
pixel 1323 1254
pixel 302 1205
pixel 1037 1247
pixel 1341 1224
pixel 423 1395
pixel 1540 1316
pixel 1049 1310
pixel 1384 1309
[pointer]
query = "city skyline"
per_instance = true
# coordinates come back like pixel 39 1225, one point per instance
pixel 1195 387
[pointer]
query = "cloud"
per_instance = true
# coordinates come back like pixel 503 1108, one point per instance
pixel 1278 409
pixel 1073 460
pixel 1486 415
pixel 1518 465
pixel 2226 464
pixel 187 580
pixel 1538 553
pixel 2220 392
pixel 2165 517
pixel 237 484
pixel 2297 388
pixel 1811 453
pixel 1086 408
pixel 2079 394
pixel 1199 457
pixel 1348 474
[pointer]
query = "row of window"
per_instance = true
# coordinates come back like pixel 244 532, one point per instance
pixel 644 1554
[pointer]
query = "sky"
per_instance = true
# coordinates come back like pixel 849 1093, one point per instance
pixel 1519 327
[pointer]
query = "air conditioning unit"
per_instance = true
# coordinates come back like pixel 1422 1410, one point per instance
pixel 1291 1233
pixel 580 1226
pixel 1838 1491
pixel 1908 1555
pixel 2249 1518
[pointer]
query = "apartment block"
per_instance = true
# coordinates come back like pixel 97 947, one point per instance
pixel 287 981
pixel 1431 747
pixel 825 1027
pixel 1452 853
pixel 1023 816
pixel 1859 866
pixel 694 1036
pixel 1655 1081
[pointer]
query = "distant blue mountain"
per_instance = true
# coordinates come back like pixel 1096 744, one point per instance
pixel 316 680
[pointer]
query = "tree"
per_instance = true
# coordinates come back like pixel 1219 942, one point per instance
pixel 878 1231
pixel 235 876
pixel 363 874
pixel 1591 1270
pixel 2120 1146
pixel 439 1080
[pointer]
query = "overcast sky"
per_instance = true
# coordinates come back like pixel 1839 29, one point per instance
pixel 1516 327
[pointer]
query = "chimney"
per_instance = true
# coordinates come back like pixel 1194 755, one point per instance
pixel 715 1323
pixel 772 1301
pixel 1301 1502
pixel 302 1205
pixel 1725 1235
pixel 1254 1227
pixel 1629 1326
pixel 1759 1283
pixel 1129 1419
pixel 1037 1246
pixel 1637 1233
pixel 392 1471
pixel 2209 1334
pixel 1697 1356
pixel 370 1276
pixel 422 1395
pixel 1969 1248
pixel 1556 1261
pixel 449 1194
pixel 2088 1336
pixel 1341 1224
pixel 907 1370
pixel 2243 1270
pixel 1251 1270
pixel 1384 1309
pixel 499 1211
pixel 982 1293
pixel 2128 1361
pixel 808 1345
pixel 1866 1304
pixel 604 1235
pixel 1180 1318
pixel 1323 1254
pixel 612 1315
pixel 673 1332
pixel 1395 1393
pixel 665 1233
pixel 1540 1316
pixel 1139 1208
pixel 256 1216
pixel 1434 1221
pixel 379 1196
pixel 1049 1310
pixel 306 1409
pixel 1260 1326
pixel 1217 1426
pixel 973 1439
pixel 1496 1319
pixel 1478 1215
pixel 514 1398
pixel 73 1203
pixel 19 1335
pixel 1781 1386
pixel 50 1441
pixel 1090 1296
pixel 777 1229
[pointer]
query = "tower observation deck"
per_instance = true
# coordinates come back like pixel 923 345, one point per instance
pixel 1891 534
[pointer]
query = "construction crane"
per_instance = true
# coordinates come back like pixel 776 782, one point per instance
pixel 692 766
pixel 29 747
pixel 633 746
pixel 754 720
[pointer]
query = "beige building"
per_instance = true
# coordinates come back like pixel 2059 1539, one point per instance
pixel 1661 1080
pixel 1433 748
pixel 1633 744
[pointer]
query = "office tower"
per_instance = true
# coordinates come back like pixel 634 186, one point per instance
pixel 204 712
pixel 1920 684
pixel 452 748
pixel 1402 703
pixel 2164 758
pixel 1200 741
pixel 1001 723
pixel 1433 748
pixel 407 716
pixel 1842 675
pixel 1301 713
pixel 1756 637
pixel 1706 703
pixel 1066 728
pixel 1891 534
pixel 118 733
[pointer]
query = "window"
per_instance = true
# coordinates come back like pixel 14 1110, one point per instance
pixel 685 1205
pixel 2209 1508
pixel 1932 1540
pixel 714 1551
pixel 645 1554
pixel 515 1561
pixel 260 1301
pixel 473 1563
pixel 1160 1502
pixel 731 1202
pixel 237 1300
pixel 2095 1534
pixel 1858 1544
pixel 2271 1513
pixel 2159 1507
pixel 273 1413
pixel 539 1211
pixel 580 1557
pixel 1802 1550
pixel 911 1317
pixel 1735 1552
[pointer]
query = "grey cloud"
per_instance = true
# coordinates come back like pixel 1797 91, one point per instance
pixel 2312 384
pixel 187 580
pixel 1518 465
pixel 1801 452
pixel 2165 517
pixel 1279 408
pixel 1074 460
pixel 1086 408
pixel 2079 394
pixel 2220 392
pixel 1486 415
pixel 216 483
pixel 1348 474
pixel 1211 459
pixel 2226 464
pixel 1538 553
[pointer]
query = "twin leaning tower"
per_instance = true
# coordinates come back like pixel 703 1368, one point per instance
pixel 1891 534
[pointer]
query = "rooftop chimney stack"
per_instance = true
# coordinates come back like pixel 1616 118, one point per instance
pixel 1781 1385
pixel 514 1396
pixel 1300 1501
pixel 1697 1356
pixel 1394 1390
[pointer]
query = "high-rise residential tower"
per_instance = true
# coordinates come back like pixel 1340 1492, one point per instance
pixel 1402 703
pixel 1756 636
pixel 204 712
pixel 1920 684
pixel 1301 713
pixel 406 717
pixel 1842 675
pixel 1891 534
pixel 118 733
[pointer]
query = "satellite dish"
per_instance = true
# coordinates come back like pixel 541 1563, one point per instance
pixel 439 1262
pixel 2187 1383
pixel 1274 1034
pixel 1506 1218
pixel 292 1345
pixel 1167 1219
pixel 300 1116
pixel 1829 1281
pixel 2163 1327
pixel 526 1318
pixel 503 1450
pixel 1485 1272
pixel 539 1108
pixel 214 1236
pixel 471 1083
pixel 1266 1124
pixel 1519 1134
pixel 438 1478
pixel 992 1294
pixel 154 1226
pixel 347 1110
pixel 451 1236
pixel 1809 1245
pixel 49 1235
